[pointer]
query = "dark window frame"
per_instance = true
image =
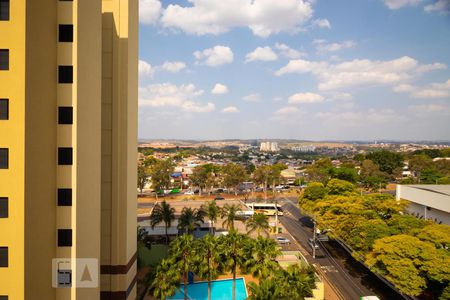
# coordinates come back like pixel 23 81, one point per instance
pixel 65 115
pixel 65 33
pixel 64 197
pixel 2 251
pixel 65 156
pixel 4 62
pixel 6 112
pixel 65 74
pixel 4 207
pixel 2 150
pixel 5 16
pixel 64 237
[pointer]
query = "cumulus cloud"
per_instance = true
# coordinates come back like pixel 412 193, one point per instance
pixel 149 11
pixel 164 95
pixel 440 6
pixel 432 91
pixel 321 23
pixel 305 98
pixel 323 47
pixel 396 4
pixel 288 52
pixel 230 110
pixel 252 98
pixel 173 66
pixel 359 72
pixel 288 110
pixel 261 53
pixel 219 89
pixel 262 17
pixel 213 57
pixel 145 69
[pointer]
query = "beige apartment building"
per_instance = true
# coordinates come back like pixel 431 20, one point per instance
pixel 68 142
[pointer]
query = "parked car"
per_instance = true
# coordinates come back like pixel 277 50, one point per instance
pixel 219 198
pixel 312 244
pixel 189 192
pixel 283 240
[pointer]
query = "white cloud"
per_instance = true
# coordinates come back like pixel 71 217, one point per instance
pixel 357 118
pixel 359 72
pixel 396 4
pixel 145 69
pixel 323 47
pixel 230 110
pixel 149 11
pixel 288 110
pixel 163 95
pixel 173 66
pixel 305 98
pixel 252 98
pixel 441 6
pixel 261 53
pixel 213 57
pixel 288 52
pixel 321 23
pixel 262 17
pixel 431 108
pixel 432 91
pixel 219 89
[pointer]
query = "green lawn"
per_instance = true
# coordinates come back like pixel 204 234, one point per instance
pixel 154 256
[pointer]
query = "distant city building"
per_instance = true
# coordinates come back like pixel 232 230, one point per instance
pixel 309 148
pixel 431 202
pixel 269 147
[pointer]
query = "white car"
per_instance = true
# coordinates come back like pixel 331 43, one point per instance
pixel 370 298
pixel 283 240
pixel 189 193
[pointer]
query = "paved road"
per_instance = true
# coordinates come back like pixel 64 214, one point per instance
pixel 350 278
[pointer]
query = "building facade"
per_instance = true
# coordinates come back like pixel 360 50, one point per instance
pixel 427 201
pixel 68 142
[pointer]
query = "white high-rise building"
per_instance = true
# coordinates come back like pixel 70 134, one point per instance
pixel 269 147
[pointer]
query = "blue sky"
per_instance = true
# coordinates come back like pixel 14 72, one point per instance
pixel 315 70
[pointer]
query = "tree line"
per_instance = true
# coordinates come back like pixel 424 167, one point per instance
pixel 411 253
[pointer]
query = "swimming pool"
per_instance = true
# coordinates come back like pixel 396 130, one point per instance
pixel 220 290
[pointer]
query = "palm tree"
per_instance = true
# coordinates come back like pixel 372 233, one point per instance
pixel 230 213
pixel 265 290
pixel 166 280
pixel 262 262
pixel 212 212
pixel 207 259
pixel 258 223
pixel 233 254
pixel 181 253
pixel 163 213
pixel 296 282
pixel 190 219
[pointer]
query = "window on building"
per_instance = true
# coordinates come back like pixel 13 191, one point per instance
pixel 65 33
pixel 65 156
pixel 3 257
pixel 3 297
pixel 4 59
pixel 65 74
pixel 64 237
pixel 64 197
pixel 4 10
pixel 3 207
pixel 4 158
pixel 4 109
pixel 65 115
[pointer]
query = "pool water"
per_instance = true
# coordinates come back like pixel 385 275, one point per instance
pixel 220 290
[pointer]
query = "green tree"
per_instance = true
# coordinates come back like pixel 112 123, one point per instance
pixel 339 187
pixel 230 213
pixel 430 176
pixel 418 163
pixel 190 219
pixel 160 174
pixel 233 254
pixel 406 224
pixel 363 235
pixel 182 255
pixel 212 211
pixel 163 213
pixel 199 177
pixel 142 177
pixel 265 290
pixel 438 234
pixel 262 261
pixel 386 160
pixel 166 280
pixel 403 259
pixel 345 173
pixel 262 176
pixel 207 259
pixel 314 191
pixel 258 223
pixel 320 171
pixel 233 175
